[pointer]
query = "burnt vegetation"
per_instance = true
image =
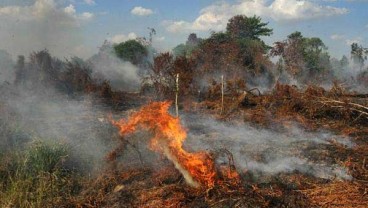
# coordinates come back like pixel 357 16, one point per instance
pixel 229 77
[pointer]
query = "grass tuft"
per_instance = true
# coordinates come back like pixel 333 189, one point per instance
pixel 37 177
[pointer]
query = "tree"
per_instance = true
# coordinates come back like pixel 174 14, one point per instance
pixel 163 75
pixel 315 55
pixel 344 62
pixel 358 54
pixel 303 57
pixel 241 26
pixel 132 51
pixel 252 55
pixel 193 40
pixel 238 53
pixel 246 31
pixel 186 49
pixel 218 53
pixel 19 70
pixel 180 50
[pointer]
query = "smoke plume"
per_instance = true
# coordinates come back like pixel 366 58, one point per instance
pixel 122 74
pixel 265 151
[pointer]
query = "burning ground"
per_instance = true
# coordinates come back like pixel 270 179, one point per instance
pixel 281 149
pixel 250 166
pixel 279 161
pixel 246 132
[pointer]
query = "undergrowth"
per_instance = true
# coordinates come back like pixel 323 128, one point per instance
pixel 37 176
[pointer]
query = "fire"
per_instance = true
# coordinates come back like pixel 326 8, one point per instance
pixel 197 168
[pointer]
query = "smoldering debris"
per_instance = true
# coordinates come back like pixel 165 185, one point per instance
pixel 265 151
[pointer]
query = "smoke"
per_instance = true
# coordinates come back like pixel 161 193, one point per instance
pixel 46 103
pixel 6 67
pixel 48 115
pixel 122 74
pixel 345 72
pixel 266 151
pixel 42 24
pixel 348 72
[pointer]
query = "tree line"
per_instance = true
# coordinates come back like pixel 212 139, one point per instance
pixel 238 53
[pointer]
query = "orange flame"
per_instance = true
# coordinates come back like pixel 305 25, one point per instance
pixel 168 137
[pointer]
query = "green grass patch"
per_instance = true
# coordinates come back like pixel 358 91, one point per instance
pixel 37 176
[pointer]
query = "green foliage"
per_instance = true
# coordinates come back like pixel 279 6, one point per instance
pixel 241 26
pixel 184 50
pixel 295 36
pixel 315 54
pixel 252 53
pixel 344 62
pixel 237 53
pixel 36 177
pixel 132 51
pixel 43 157
pixel 340 67
pixel 358 54
pixel 187 48
pixel 180 50
pixel 303 56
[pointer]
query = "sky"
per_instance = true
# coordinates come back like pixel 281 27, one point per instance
pixel 79 27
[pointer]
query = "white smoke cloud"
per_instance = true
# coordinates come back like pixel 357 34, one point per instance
pixel 48 115
pixel 122 75
pixel 267 151
pixel 43 24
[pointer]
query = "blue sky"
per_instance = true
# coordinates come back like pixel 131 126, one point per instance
pixel 79 27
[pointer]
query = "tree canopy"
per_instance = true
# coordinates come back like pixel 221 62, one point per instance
pixel 131 50
pixel 186 49
pixel 358 54
pixel 241 26
pixel 303 55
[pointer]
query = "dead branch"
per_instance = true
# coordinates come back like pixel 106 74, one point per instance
pixel 255 89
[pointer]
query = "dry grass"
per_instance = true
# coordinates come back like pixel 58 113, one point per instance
pixel 338 194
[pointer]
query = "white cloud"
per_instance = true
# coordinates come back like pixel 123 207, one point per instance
pixel 215 17
pixel 140 11
pixel 86 15
pixel 299 10
pixel 73 13
pixel 43 24
pixel 122 37
pixel 337 37
pixel 177 26
pixel 90 2
pixel 70 9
